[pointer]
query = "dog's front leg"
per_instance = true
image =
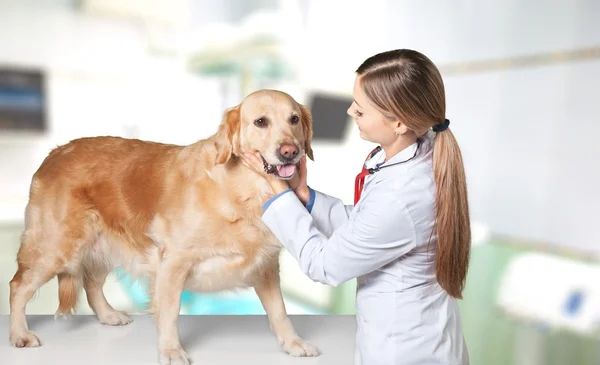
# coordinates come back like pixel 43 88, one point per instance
pixel 169 285
pixel 269 293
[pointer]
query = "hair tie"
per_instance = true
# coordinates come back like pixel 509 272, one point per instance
pixel 441 127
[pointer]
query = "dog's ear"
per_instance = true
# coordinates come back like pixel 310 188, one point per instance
pixel 227 134
pixel 306 120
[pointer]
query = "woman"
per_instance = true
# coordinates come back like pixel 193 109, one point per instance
pixel 407 238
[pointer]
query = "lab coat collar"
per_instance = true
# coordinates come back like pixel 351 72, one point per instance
pixel 378 159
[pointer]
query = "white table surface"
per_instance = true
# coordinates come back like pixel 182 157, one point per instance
pixel 209 340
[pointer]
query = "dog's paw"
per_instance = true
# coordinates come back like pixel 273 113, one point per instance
pixel 296 346
pixel 114 318
pixel 174 356
pixel 65 316
pixel 26 339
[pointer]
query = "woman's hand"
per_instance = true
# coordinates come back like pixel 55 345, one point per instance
pixel 298 182
pixel 254 162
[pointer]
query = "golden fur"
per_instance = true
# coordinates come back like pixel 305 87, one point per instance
pixel 184 217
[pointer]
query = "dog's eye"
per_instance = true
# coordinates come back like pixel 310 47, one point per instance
pixel 295 119
pixel 261 122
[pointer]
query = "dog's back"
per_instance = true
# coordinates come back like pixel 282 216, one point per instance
pixel 111 179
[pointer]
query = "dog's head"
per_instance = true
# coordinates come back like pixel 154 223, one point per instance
pixel 272 123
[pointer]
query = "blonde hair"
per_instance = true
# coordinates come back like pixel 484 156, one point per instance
pixel 406 84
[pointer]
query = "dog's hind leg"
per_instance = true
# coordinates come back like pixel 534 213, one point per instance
pixel 51 245
pixel 93 282
pixel 269 293
pixel 36 266
pixel 26 281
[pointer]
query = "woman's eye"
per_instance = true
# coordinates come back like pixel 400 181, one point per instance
pixel 261 122
pixel 295 119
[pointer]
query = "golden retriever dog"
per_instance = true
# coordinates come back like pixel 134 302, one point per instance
pixel 182 217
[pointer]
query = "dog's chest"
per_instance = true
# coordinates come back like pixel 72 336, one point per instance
pixel 218 273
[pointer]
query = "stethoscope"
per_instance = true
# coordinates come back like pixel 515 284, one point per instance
pixel 377 168
pixel 359 181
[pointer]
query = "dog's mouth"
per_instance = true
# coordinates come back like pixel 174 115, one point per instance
pixel 283 171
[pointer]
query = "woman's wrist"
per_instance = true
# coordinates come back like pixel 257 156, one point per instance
pixel 279 186
pixel 303 193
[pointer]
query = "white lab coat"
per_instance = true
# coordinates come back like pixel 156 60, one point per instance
pixel 403 315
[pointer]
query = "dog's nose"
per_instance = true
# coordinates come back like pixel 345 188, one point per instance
pixel 288 151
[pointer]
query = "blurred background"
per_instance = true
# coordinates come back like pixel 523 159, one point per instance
pixel 521 80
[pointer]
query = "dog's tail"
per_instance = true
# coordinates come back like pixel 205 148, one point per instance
pixel 68 294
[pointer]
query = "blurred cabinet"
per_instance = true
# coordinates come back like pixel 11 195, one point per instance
pixel 494 339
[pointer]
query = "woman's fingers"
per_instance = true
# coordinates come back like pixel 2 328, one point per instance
pixel 252 158
pixel 252 161
pixel 302 169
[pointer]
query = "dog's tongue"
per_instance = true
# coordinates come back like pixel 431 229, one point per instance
pixel 286 170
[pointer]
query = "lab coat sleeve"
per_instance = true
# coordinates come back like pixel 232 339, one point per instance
pixel 379 233
pixel 328 212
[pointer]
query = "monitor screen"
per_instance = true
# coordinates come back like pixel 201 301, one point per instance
pixel 330 121
pixel 22 100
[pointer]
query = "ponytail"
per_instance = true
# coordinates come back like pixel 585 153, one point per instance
pixel 452 215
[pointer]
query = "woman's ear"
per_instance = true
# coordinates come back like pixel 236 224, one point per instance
pixel 227 133
pixel 306 120
pixel 401 128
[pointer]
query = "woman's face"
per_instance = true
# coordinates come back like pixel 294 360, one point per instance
pixel 373 125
